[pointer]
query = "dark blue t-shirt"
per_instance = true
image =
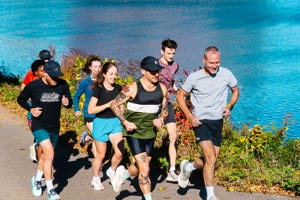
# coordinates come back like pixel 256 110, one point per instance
pixel 49 99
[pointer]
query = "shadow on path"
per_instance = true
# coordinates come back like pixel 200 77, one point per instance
pixel 64 168
pixel 196 182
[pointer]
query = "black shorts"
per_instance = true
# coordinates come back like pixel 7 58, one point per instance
pixel 171 116
pixel 88 120
pixel 138 146
pixel 209 130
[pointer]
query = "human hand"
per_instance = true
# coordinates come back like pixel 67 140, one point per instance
pixel 194 121
pixel 65 101
pixel 37 111
pixel 77 113
pixel 226 112
pixel 129 126
pixel 158 123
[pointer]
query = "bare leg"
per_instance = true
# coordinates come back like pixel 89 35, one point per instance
pixel 171 128
pixel 143 164
pixel 210 153
pixel 118 143
pixel 46 160
pixel 97 164
pixel 89 126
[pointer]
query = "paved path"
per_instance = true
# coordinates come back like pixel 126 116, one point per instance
pixel 73 172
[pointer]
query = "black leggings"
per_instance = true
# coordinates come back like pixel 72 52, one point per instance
pixel 138 146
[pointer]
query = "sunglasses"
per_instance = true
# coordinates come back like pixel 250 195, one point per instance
pixel 153 73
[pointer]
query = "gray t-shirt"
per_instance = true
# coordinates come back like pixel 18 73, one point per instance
pixel 209 94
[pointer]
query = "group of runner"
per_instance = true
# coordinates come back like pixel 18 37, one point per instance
pixel 135 111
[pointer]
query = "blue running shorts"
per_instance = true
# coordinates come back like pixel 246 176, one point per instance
pixel 42 134
pixel 103 127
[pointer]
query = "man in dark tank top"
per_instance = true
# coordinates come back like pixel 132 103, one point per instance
pixel 144 99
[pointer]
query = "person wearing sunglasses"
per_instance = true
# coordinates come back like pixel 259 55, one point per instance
pixel 145 112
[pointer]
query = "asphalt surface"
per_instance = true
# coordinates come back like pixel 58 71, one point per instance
pixel 73 173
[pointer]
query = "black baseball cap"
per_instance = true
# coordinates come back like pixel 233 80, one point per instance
pixel 53 68
pixel 151 64
pixel 45 54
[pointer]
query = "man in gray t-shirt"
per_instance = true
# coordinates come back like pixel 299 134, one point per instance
pixel 208 88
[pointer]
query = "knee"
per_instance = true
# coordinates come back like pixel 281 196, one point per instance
pixel 211 160
pixel 172 137
pixel 100 155
pixel 198 163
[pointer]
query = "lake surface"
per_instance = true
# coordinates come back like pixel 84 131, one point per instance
pixel 259 42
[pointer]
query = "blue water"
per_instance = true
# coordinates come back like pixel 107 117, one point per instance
pixel 259 41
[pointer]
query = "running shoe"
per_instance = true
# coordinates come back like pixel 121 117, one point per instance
pixel 213 198
pixel 97 185
pixel 183 178
pixel 82 139
pixel 36 187
pixel 117 179
pixel 110 172
pixel 172 177
pixel 52 195
pixel 32 152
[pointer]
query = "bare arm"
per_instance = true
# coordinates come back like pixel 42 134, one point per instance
pixel 164 106
pixel 22 86
pixel 94 109
pixel 181 100
pixel 158 123
pixel 232 101
pixel 127 93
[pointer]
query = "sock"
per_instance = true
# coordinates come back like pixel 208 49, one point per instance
pixel 39 175
pixel 126 175
pixel 190 167
pixel 96 178
pixel 49 184
pixel 172 169
pixel 148 196
pixel 209 191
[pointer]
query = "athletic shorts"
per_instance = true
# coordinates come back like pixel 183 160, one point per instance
pixel 103 127
pixel 209 130
pixel 29 116
pixel 42 134
pixel 88 120
pixel 138 146
pixel 171 116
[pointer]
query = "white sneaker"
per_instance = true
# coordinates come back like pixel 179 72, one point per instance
pixel 172 177
pixel 97 185
pixel 183 178
pixel 117 179
pixel 52 195
pixel 110 172
pixel 36 187
pixel 213 198
pixel 32 152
